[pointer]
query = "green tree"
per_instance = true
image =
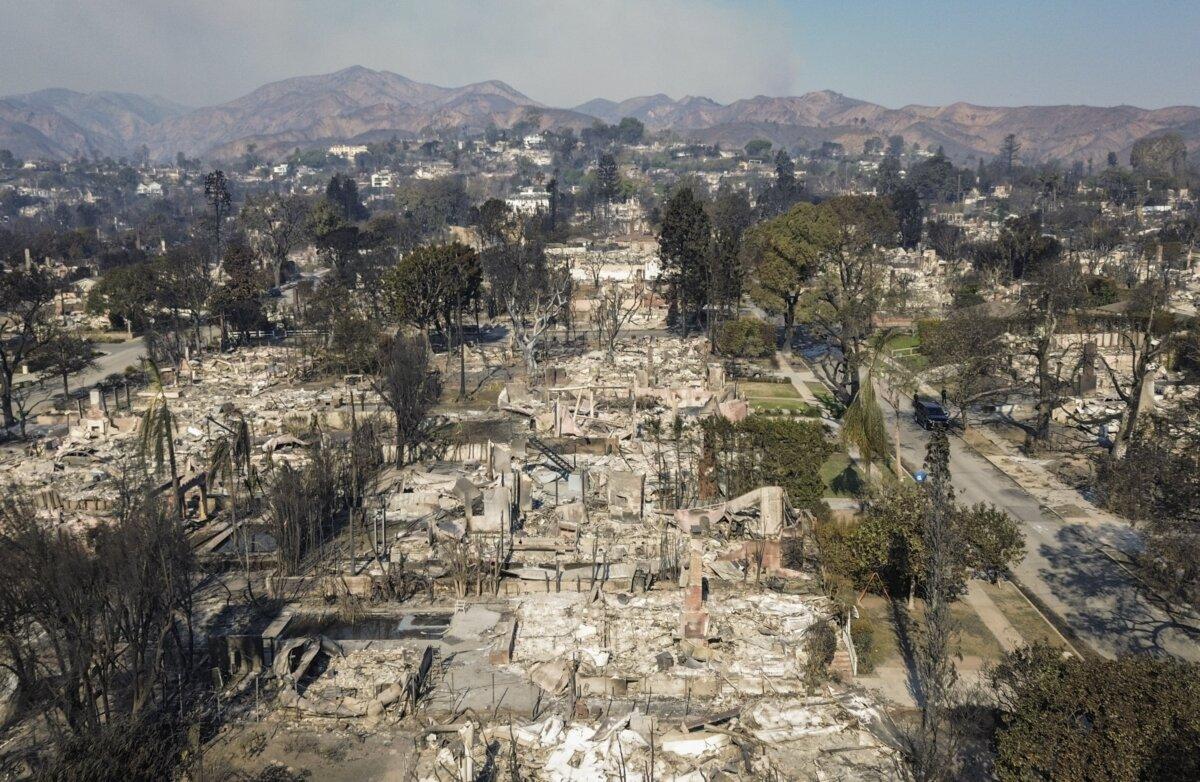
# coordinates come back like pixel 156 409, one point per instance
pixel 993 541
pixel 431 205
pixel 1024 247
pixel 731 216
pixel 124 295
pixel 1163 156
pixel 745 337
pixel 909 214
pixel 432 287
pixel 1010 148
pixel 684 250
pixel 891 539
pixel 784 193
pixel 936 180
pixel 785 170
pixel 887 542
pixel 276 225
pixel 765 451
pixel 1071 719
pixel 237 301
pixel 931 744
pixel 337 239
pixel 758 148
pixel 848 285
pixel 784 254
pixel 630 130
pixel 608 179
pixel 342 192
pixel 888 179
pixel 862 426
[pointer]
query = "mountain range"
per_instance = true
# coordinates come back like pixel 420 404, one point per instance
pixel 358 105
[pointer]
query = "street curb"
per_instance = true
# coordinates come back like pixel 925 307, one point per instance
pixel 1079 647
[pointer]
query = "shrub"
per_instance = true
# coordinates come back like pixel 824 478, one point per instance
pixel 767 451
pixel 793 552
pixel 746 337
pixel 862 634
pixel 820 644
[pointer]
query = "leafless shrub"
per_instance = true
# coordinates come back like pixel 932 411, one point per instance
pixel 98 633
pixel 409 387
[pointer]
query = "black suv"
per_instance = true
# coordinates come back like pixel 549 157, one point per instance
pixel 930 415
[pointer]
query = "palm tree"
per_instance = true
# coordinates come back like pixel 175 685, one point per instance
pixel 157 436
pixel 862 425
pixel 899 383
pixel 229 461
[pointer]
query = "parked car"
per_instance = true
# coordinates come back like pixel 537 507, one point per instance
pixel 930 415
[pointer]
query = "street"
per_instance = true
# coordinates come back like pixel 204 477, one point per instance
pixel 117 356
pixel 1064 568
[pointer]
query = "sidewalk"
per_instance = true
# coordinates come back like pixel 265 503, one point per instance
pixel 800 379
pixel 996 622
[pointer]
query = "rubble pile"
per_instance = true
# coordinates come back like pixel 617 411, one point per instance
pixel 548 596
pixel 825 737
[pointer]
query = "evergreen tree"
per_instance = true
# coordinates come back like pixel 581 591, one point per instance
pixel 785 170
pixel 932 744
pixel 684 246
pixel 216 192
pixel 552 190
pixel 1009 150
pixel 909 213
pixel 731 217
pixel 608 179
pixel 888 179
pixel 342 192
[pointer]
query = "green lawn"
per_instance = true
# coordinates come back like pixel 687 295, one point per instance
pixel 902 341
pixel 841 476
pixel 1027 621
pixel 971 639
pixel 912 359
pixel 885 643
pixel 769 390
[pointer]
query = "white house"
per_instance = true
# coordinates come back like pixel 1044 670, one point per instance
pixel 530 200
pixel 348 151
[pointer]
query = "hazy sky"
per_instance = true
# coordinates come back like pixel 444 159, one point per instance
pixel 563 52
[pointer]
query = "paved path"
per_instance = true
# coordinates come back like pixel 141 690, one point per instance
pixel 995 621
pixel 800 379
pixel 1066 567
